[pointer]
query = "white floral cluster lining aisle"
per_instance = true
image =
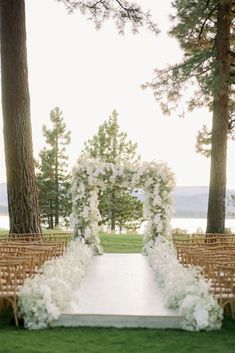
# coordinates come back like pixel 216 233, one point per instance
pixel 184 289
pixel 44 297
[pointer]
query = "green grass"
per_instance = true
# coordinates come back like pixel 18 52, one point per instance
pixel 111 340
pixel 124 243
pixel 3 232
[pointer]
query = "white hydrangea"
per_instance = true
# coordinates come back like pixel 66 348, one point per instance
pixel 184 288
pixel 44 297
pixel 85 212
pixel 156 179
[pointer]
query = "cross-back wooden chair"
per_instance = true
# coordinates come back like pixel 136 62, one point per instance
pixel 12 276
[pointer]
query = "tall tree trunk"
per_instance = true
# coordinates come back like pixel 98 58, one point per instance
pixel 21 186
pixel 113 212
pixel 113 220
pixel 51 224
pixel 56 182
pixel 217 190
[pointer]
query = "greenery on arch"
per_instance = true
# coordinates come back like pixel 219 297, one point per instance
pixel 92 175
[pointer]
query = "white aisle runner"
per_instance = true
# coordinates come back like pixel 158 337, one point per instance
pixel 120 290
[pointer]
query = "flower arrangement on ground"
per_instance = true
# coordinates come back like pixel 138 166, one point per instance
pixel 44 297
pixel 184 288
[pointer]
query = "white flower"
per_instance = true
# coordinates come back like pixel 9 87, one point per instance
pixel 184 288
pixel 156 179
pixel 44 297
pixel 85 212
pixel 87 232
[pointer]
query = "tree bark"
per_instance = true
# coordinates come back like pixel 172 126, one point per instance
pixel 51 224
pixel 217 189
pixel 56 181
pixel 21 186
pixel 113 212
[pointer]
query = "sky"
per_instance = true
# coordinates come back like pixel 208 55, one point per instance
pixel 89 73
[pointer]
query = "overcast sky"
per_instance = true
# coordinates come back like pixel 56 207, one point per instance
pixel 88 74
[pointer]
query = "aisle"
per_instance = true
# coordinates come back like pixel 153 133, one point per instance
pixel 120 290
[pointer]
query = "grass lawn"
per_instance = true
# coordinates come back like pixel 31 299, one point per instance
pixel 3 232
pixel 124 243
pixel 111 340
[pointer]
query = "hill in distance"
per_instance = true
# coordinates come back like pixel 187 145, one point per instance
pixel 189 201
pixel 192 202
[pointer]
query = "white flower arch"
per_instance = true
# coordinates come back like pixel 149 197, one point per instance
pixel 90 176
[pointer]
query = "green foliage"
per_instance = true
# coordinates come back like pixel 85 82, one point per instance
pixel 117 207
pixel 110 144
pixel 52 175
pixel 203 143
pixel 122 12
pixel 129 212
pixel 194 25
pixel 128 209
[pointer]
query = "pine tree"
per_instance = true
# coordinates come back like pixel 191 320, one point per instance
pixel 204 29
pixel 112 146
pixel 52 177
pixel 203 142
pixel 23 205
pixel 129 212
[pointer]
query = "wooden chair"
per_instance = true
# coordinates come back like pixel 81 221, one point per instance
pixel 12 276
pixel 27 237
pixel 226 284
pixel 29 259
pixel 62 238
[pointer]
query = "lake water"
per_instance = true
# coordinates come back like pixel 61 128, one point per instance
pixel 190 224
pixel 4 222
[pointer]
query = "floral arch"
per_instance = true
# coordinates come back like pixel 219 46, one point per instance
pixel 90 176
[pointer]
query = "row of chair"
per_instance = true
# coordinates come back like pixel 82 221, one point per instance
pixel 22 256
pixel 214 254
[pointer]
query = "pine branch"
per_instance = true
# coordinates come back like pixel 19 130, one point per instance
pixel 207 18
pixel 121 12
pixel 97 3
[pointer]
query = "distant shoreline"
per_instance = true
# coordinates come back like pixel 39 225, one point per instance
pixel 197 217
pixel 174 216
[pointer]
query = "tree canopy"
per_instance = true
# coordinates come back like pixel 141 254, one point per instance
pixel 194 24
pixel 111 145
pixel 52 176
